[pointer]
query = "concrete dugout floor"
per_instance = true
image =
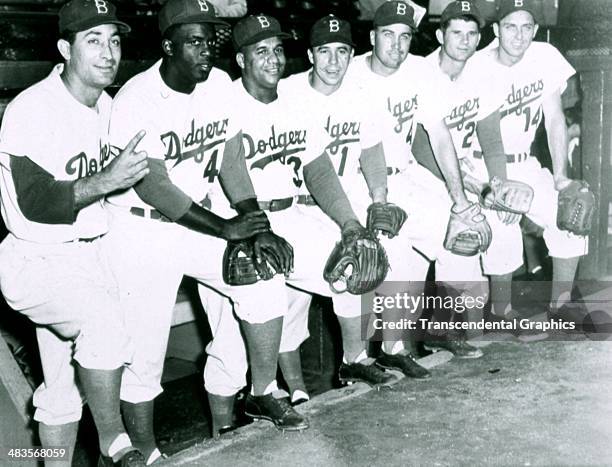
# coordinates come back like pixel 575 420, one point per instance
pixel 547 403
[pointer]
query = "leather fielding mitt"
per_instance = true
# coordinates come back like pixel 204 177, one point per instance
pixel 358 261
pixel 507 195
pixel 386 218
pixel 576 208
pixel 468 232
pixel 240 266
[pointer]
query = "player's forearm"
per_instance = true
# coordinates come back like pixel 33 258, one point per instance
pixel 490 139
pixel 374 169
pixel 556 132
pixel 422 152
pixel 446 157
pixel 91 189
pixel 40 197
pixel 323 184
pixel 202 220
pixel 234 174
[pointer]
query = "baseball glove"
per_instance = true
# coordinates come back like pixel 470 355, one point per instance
pixel 240 267
pixel 385 217
pixel 358 261
pixel 468 232
pixel 576 208
pixel 507 195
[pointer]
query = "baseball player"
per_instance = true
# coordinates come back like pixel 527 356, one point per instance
pixel 52 265
pixel 407 92
pixel 534 74
pixel 355 148
pixel 284 151
pixel 160 231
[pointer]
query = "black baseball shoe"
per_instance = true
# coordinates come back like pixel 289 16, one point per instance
pixel 359 372
pixel 570 312
pixel 457 346
pixel 133 458
pixel 531 334
pixel 278 411
pixel 404 362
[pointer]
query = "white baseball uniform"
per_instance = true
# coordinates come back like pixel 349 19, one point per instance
pixel 475 95
pixel 187 132
pixel 541 72
pixel 57 274
pixel 413 94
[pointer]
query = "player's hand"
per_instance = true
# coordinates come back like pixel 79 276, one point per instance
pixel 245 226
pixel 508 218
pixel 274 249
pixel 128 167
pixel 561 182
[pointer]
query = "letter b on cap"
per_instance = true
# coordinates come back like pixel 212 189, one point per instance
pixel 263 21
pixel 465 7
pixel 518 3
pixel 203 5
pixel 401 9
pixel 334 25
pixel 101 7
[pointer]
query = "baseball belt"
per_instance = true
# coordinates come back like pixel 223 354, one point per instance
pixel 149 214
pixel 307 200
pixel 275 204
pixel 510 158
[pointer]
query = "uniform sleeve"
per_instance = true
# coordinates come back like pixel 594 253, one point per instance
pixel 558 69
pixel 433 100
pixel 131 113
pixel 370 130
pixel 26 132
pixel 490 89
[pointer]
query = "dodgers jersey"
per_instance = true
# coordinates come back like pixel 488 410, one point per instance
pixel 411 95
pixel 278 139
pixel 473 96
pixel 347 120
pixel 186 131
pixel 541 72
pixel 67 139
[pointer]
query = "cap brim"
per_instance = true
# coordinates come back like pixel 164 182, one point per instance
pixel 503 13
pixel 195 19
pixel 481 21
pixel 260 36
pixel 330 40
pixel 93 22
pixel 389 22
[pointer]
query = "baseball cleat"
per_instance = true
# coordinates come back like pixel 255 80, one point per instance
pixel 133 458
pixel 530 334
pixel 359 372
pixel 459 348
pixel 404 362
pixel 277 411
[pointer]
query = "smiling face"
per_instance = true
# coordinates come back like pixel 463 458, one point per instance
pixel 262 63
pixel 93 56
pixel 391 44
pixel 329 63
pixel 190 51
pixel 459 39
pixel 515 32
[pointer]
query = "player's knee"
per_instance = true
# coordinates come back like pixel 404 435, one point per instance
pixel 103 345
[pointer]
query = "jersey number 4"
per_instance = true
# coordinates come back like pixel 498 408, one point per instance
pixel 210 171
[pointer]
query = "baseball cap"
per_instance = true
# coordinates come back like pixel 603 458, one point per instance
pixel 255 28
pixel 393 13
pixel 509 6
pixel 186 12
pixel 330 28
pixel 457 9
pixel 79 15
